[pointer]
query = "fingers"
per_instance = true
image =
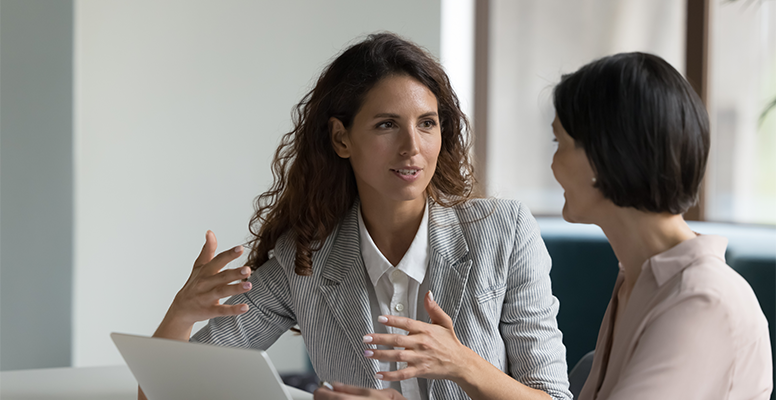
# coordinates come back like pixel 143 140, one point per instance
pixel 436 313
pixel 406 356
pixel 225 257
pixel 403 323
pixel 399 375
pixel 217 286
pixel 391 340
pixel 206 255
pixel 350 389
pixel 221 291
pixel 342 392
pixel 228 310
pixel 208 249
pixel 229 275
pixel 348 392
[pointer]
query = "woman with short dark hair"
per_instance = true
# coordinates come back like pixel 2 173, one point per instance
pixel 371 212
pixel 633 138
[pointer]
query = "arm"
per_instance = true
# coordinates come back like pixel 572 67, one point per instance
pixel 198 300
pixel 535 350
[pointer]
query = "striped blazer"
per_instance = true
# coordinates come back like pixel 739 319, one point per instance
pixel 488 269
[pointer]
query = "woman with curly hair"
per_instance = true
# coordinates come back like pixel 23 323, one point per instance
pixel 372 242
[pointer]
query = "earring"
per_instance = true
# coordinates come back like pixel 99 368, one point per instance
pixel 594 180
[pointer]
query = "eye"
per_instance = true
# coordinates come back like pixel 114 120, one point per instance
pixel 428 124
pixel 386 125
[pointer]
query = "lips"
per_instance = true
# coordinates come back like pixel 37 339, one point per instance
pixel 407 174
pixel 406 171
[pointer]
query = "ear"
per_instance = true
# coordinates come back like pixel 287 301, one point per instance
pixel 339 138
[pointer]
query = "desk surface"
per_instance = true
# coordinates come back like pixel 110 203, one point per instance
pixel 106 383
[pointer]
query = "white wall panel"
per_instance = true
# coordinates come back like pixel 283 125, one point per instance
pixel 179 106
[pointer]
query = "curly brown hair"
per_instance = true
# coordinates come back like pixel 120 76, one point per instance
pixel 313 187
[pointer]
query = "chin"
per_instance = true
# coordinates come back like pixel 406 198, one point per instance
pixel 408 197
pixel 568 216
pixel 410 193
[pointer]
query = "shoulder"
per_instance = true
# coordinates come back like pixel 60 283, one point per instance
pixel 497 215
pixel 495 228
pixel 711 280
pixel 341 242
pixel 490 209
pixel 711 276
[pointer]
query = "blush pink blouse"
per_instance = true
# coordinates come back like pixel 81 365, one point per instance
pixel 692 329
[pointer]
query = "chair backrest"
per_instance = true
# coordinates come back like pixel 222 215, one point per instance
pixel 583 275
pixel 579 373
pixel 761 275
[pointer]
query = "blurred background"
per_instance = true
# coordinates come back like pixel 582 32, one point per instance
pixel 130 128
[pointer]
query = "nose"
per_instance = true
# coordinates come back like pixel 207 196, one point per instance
pixel 409 145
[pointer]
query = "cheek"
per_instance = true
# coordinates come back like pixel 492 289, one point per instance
pixel 432 148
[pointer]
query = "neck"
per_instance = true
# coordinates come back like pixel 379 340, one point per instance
pixel 392 225
pixel 637 236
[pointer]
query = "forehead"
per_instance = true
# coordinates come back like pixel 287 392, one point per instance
pixel 402 93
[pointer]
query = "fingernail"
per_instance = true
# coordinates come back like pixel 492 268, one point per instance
pixel 379 376
pixel 246 285
pixel 245 270
pixel 367 339
pixel 382 319
pixel 368 353
pixel 244 308
pixel 431 295
pixel 325 384
pixel 238 249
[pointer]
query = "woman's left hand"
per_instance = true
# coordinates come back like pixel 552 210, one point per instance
pixel 430 350
pixel 348 392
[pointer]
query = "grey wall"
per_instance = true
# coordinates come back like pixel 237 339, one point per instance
pixel 36 183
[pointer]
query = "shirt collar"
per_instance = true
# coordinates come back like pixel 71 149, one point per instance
pixel 414 262
pixel 667 264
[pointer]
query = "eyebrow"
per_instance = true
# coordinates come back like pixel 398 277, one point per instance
pixel 397 116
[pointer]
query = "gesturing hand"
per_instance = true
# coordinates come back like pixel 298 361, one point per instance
pixel 348 392
pixel 430 350
pixel 198 300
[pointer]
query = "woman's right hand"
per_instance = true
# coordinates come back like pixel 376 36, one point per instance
pixel 198 300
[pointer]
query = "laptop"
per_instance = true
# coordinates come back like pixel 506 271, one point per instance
pixel 171 370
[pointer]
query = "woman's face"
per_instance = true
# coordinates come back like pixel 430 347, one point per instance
pixel 573 171
pixel 394 141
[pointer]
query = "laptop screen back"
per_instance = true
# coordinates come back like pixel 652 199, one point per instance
pixel 171 369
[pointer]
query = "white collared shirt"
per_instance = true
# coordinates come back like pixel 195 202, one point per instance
pixel 399 291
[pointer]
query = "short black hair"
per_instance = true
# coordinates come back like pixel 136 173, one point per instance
pixel 643 128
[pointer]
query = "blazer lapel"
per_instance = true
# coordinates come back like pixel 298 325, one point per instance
pixel 448 269
pixel 343 286
pixel 448 266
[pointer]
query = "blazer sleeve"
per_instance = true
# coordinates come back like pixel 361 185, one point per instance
pixel 270 313
pixel 535 350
